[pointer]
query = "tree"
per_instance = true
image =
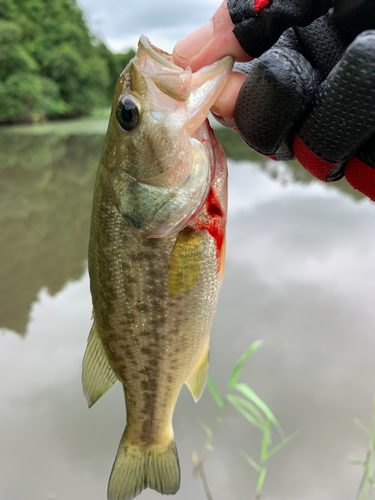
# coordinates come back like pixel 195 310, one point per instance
pixel 50 64
pixel 116 64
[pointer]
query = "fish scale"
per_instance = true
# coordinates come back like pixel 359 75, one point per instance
pixel 156 258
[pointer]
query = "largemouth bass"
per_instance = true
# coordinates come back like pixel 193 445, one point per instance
pixel 156 257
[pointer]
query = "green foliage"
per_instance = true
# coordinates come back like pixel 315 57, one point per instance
pixel 116 63
pixel 28 97
pixel 254 410
pixel 50 64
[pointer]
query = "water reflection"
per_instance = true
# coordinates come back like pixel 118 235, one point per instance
pixel 300 266
pixel 46 185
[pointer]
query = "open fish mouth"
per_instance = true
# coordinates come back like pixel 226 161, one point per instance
pixel 199 90
pixel 172 134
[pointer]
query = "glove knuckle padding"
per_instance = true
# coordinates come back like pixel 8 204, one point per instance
pixel 279 86
pixel 257 31
pixel 322 44
pixel 342 114
pixel 289 40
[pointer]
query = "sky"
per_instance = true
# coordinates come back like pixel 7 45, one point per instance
pixel 121 22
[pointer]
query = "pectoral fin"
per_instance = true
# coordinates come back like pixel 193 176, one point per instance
pixel 198 377
pixel 185 264
pixel 97 374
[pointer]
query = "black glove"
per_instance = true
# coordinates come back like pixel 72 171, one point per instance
pixel 312 95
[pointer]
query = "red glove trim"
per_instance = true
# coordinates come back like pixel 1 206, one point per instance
pixel 361 177
pixel 315 165
pixel 260 4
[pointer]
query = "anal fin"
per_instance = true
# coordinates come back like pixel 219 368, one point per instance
pixel 197 379
pixel 97 374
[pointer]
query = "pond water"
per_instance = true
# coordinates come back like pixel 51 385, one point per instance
pixel 300 267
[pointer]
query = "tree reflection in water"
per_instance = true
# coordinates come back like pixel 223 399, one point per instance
pixel 46 185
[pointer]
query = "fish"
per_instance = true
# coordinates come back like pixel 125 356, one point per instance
pixel 156 257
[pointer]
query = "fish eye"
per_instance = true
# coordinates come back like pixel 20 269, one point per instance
pixel 128 112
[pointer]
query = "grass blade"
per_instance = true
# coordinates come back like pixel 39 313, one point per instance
pixel 265 440
pixel 249 406
pixel 251 461
pixel 252 408
pixel 281 445
pixel 254 346
pixel 365 429
pixel 357 461
pixel 215 392
pixel 250 394
pixel 244 413
pixel 206 429
pixel 261 479
pixel 241 362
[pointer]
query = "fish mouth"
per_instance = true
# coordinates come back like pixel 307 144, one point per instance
pixel 195 91
pixel 200 89
pixel 160 67
pixel 160 206
pixel 156 53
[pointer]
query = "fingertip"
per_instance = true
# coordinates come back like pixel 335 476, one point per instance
pixel 224 105
pixel 226 122
pixel 192 44
pixel 179 61
pixel 209 43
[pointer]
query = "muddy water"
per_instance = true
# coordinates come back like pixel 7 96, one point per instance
pixel 300 267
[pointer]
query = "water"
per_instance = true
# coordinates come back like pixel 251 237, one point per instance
pixel 300 267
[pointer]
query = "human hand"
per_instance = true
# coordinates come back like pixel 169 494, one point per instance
pixel 208 44
pixel 217 38
pixel 312 94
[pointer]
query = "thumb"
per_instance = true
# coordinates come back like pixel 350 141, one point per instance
pixel 209 43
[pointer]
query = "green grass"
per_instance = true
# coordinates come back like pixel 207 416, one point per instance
pixel 253 409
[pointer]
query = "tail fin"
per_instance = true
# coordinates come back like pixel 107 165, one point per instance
pixel 137 468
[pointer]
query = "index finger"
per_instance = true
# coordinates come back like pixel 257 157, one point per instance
pixel 209 43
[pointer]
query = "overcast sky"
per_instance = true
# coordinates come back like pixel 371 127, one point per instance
pixel 120 22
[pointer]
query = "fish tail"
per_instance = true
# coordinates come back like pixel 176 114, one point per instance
pixel 139 467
